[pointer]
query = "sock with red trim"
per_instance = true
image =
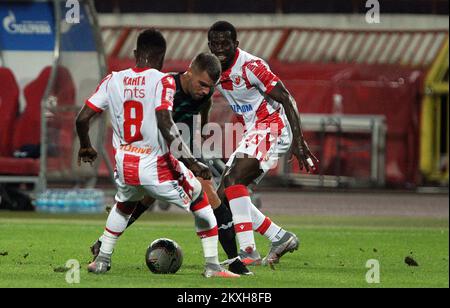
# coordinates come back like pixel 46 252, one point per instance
pixel 206 227
pixel 240 205
pixel 115 225
pixel 265 226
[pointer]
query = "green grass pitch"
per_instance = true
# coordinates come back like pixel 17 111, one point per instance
pixel 333 252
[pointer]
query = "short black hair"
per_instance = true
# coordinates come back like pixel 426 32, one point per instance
pixel 151 42
pixel 208 62
pixel 223 26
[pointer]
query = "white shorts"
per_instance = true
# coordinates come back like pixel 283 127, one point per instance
pixel 176 185
pixel 265 146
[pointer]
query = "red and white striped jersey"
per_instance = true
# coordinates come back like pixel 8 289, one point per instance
pixel 245 85
pixel 132 97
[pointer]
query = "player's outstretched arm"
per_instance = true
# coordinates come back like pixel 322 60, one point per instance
pixel 299 147
pixel 172 136
pixel 87 153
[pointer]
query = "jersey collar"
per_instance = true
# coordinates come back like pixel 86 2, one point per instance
pixel 140 69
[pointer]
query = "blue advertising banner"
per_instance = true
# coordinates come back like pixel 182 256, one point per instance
pixel 30 26
pixel 27 26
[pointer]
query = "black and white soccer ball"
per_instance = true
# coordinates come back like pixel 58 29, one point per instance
pixel 164 256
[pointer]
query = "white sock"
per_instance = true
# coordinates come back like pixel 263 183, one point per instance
pixel 265 226
pixel 206 227
pixel 108 243
pixel 115 225
pixel 240 205
pixel 209 245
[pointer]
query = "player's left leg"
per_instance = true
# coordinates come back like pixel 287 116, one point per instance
pixel 185 191
pixel 227 235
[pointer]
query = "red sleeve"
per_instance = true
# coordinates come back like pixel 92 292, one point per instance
pixel 93 107
pixel 260 75
pixel 168 89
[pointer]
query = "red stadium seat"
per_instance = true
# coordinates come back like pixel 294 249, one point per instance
pixel 19 166
pixel 27 126
pixel 9 106
pixel 27 130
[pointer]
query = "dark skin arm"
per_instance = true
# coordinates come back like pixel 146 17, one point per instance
pixel 87 153
pixel 171 134
pixel 299 147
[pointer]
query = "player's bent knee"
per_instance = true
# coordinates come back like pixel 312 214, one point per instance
pixel 203 213
pixel 205 219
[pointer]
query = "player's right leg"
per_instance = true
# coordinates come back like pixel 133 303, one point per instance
pixel 127 198
pixel 115 225
pixel 141 207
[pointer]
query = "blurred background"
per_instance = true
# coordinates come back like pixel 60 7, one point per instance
pixel 370 79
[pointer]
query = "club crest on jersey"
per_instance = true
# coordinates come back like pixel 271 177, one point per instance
pixel 236 79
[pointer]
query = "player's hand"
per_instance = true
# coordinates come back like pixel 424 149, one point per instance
pixel 304 156
pixel 201 170
pixel 87 155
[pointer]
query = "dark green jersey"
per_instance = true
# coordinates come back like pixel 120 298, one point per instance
pixel 184 106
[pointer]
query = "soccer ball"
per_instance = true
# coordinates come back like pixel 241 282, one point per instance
pixel 164 256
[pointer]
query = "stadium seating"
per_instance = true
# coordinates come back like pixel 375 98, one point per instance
pixel 9 95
